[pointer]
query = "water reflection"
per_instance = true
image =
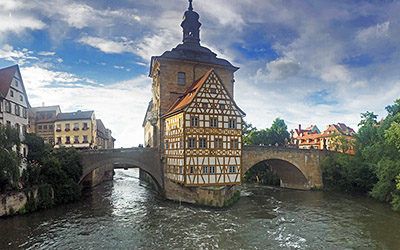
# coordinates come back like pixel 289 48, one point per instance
pixel 126 214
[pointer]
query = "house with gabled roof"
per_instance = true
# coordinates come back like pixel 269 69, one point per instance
pixel 14 102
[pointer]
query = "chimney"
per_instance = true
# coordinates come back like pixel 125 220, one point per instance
pixel 299 127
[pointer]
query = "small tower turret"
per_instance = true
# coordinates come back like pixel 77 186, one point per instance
pixel 191 26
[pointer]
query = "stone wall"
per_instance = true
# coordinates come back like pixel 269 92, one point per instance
pixel 13 202
pixel 213 196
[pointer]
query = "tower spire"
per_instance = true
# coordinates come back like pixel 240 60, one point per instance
pixel 191 26
pixel 190 5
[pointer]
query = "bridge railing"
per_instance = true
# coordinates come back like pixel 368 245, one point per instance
pixel 116 150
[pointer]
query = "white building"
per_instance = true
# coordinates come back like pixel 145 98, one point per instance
pixel 14 102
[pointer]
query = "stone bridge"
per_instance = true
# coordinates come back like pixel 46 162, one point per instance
pixel 98 165
pixel 297 168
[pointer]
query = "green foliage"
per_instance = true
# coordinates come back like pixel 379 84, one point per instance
pixel 375 169
pixel 342 172
pixel 247 129
pixel 9 159
pixel 277 134
pixel 38 150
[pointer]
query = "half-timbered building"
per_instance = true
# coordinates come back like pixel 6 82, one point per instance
pixel 203 135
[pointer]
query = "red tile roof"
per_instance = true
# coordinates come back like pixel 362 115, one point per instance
pixel 184 100
pixel 6 76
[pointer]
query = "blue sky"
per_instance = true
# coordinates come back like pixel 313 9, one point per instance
pixel 309 62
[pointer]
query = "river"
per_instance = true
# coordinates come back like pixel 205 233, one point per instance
pixel 125 214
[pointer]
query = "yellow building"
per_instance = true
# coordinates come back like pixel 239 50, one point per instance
pixel 76 129
pixel 203 136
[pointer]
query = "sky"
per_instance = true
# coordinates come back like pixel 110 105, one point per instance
pixel 307 62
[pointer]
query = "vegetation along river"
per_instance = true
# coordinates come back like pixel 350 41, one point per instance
pixel 125 214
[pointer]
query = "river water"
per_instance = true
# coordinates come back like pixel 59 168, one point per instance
pixel 125 214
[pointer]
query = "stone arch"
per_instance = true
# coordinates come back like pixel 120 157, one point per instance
pixel 298 162
pixel 290 174
pixel 99 165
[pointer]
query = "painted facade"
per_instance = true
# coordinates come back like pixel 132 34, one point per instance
pixel 75 129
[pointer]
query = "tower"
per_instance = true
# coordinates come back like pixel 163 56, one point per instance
pixel 175 70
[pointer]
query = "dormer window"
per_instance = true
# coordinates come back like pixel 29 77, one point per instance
pixel 181 78
pixel 11 93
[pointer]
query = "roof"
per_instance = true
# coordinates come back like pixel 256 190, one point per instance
pixel 100 126
pixel 341 128
pixel 183 101
pixel 46 108
pixel 6 76
pixel 193 52
pixel 78 115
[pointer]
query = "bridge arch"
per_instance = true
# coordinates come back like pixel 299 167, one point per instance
pixel 99 164
pixel 290 175
pixel 297 168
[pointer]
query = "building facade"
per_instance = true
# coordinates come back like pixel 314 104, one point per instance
pixel 193 120
pixel 41 122
pixel 203 136
pixel 14 102
pixel 104 139
pixel 336 137
pixel 75 129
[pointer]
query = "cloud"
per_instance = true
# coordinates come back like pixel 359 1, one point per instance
pixel 121 105
pixel 282 68
pixel 10 23
pixel 108 46
pixel 380 30
pixel 7 52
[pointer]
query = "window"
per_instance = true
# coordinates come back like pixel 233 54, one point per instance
pixel 40 127
pixel 67 140
pixel 181 78
pixel 85 126
pixel 222 106
pixel 67 128
pixel 212 170
pixel 234 144
pixel 204 105
pixel 16 83
pixel 58 127
pixel 192 170
pixel 194 121
pixel 17 127
pixel 58 140
pixel 76 126
pixel 85 139
pixel 11 93
pixel 76 139
pixel 166 144
pixel 232 123
pixel 203 143
pixel 232 169
pixel 24 112
pixel 21 98
pixel 17 110
pixel 205 170
pixel 219 143
pixel 45 127
pixel 8 124
pixel 213 91
pixel 8 106
pixel 214 122
pixel 51 127
pixel 191 142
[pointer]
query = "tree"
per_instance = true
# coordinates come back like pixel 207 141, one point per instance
pixel 38 150
pixel 368 118
pixel 277 134
pixel 9 159
pixel 393 109
pixel 247 130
